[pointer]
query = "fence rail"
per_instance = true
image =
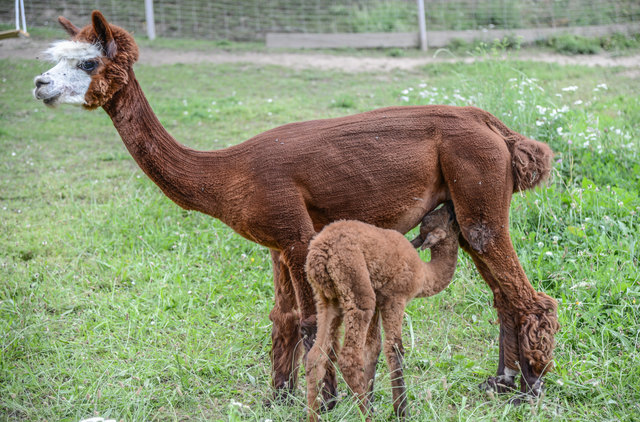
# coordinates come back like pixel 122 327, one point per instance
pixel 253 19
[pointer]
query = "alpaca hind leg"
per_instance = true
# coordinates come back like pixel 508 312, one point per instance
pixel 320 354
pixel 351 357
pixel 537 330
pixel 519 299
pixel 481 184
pixel 509 354
pixel 392 314
pixel 285 334
pixel 329 397
pixel 372 349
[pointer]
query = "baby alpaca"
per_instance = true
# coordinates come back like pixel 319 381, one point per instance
pixel 361 274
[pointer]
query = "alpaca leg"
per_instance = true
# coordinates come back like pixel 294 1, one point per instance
pixel 358 302
pixel 329 396
pixel 372 349
pixel 351 357
pixel 295 255
pixel 392 314
pixel 515 290
pixel 320 354
pixel 481 185
pixel 285 334
pixel 504 381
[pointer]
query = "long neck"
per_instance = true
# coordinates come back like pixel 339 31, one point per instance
pixel 192 179
pixel 438 272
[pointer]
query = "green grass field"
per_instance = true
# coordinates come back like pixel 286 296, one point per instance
pixel 116 302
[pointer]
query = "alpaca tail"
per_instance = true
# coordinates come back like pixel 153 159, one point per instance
pixel 530 160
pixel 316 269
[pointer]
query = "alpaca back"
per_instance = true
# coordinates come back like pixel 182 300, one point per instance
pixel 340 254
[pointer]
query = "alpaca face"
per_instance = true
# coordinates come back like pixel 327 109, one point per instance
pixel 68 81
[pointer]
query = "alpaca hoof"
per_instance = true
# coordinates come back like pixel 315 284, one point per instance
pixel 498 385
pixel 516 401
pixel 328 404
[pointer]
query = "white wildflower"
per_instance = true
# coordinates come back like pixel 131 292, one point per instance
pixel 98 419
pixel 540 244
pixel 577 102
pixel 548 253
pixel 583 285
pixel 238 404
pixel 571 88
pixel 404 98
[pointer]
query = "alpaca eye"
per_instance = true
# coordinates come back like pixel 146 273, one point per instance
pixel 88 65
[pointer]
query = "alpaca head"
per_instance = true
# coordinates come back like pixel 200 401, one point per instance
pixel 90 68
pixel 437 226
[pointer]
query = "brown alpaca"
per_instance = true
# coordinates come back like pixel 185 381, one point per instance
pixel 362 274
pixel 387 167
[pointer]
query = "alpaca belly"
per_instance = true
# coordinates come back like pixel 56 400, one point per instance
pixel 421 205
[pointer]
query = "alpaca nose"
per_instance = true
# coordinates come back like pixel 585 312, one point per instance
pixel 42 80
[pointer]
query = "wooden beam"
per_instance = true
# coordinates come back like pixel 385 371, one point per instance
pixel 342 40
pixel 13 33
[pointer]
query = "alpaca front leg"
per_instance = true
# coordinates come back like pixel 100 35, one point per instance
pixel 285 334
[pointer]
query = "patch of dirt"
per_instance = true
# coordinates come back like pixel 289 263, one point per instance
pixel 30 49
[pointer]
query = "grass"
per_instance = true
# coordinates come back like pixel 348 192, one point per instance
pixel 115 302
pixel 575 44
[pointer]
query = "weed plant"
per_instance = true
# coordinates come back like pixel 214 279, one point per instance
pixel 115 302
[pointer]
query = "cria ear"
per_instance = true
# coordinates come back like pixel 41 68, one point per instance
pixel 103 31
pixel 68 26
pixel 433 237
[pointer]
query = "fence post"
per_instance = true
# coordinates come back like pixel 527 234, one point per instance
pixel 422 23
pixel 151 25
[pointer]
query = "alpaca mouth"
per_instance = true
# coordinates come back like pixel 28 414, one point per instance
pixel 50 101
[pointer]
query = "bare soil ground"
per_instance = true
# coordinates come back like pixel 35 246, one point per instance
pixel 31 49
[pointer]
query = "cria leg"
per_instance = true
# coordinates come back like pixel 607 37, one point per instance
pixel 320 356
pixel 392 314
pixel 351 357
pixel 372 349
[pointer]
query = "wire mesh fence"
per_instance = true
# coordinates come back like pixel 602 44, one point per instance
pixel 252 19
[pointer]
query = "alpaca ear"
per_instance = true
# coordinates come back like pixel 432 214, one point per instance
pixel 105 36
pixel 68 26
pixel 433 237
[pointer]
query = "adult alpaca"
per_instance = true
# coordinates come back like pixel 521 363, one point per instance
pixel 386 167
